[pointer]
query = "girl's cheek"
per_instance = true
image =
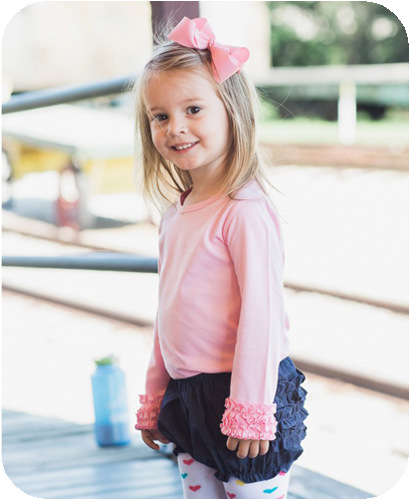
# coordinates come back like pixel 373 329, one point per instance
pixel 154 137
pixel 157 147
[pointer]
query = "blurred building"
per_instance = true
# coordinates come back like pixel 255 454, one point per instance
pixel 60 43
pixel 48 44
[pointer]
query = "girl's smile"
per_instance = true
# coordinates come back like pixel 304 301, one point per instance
pixel 184 148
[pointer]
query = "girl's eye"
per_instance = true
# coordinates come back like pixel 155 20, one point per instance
pixel 194 107
pixel 159 118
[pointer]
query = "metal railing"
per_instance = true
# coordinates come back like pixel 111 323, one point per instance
pixel 95 261
pixel 70 93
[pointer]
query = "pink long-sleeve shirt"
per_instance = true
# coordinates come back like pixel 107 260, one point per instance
pixel 221 300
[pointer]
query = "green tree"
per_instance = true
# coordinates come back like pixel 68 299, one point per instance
pixel 318 33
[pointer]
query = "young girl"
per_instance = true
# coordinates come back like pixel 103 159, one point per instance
pixel 220 384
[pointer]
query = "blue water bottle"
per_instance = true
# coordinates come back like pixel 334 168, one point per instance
pixel 110 403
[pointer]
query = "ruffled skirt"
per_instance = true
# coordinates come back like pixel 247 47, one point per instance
pixel 191 414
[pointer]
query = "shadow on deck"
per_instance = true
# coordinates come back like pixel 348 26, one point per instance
pixel 51 458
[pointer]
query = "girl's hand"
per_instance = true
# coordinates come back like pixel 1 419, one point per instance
pixel 148 436
pixel 248 446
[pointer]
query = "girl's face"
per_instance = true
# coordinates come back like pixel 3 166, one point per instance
pixel 185 110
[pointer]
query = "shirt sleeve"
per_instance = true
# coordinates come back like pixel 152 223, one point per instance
pixel 156 381
pixel 254 239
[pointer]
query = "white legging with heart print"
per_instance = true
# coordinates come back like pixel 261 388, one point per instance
pixel 198 481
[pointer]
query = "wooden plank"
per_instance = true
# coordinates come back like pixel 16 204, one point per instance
pixel 72 465
pixel 50 458
pixel 136 479
pixel 108 471
pixel 28 434
pixel 309 484
pixel 64 454
pixel 63 446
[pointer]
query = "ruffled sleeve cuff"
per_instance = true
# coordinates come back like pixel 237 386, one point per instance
pixel 147 414
pixel 249 421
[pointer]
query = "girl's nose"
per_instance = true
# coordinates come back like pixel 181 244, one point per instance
pixel 176 126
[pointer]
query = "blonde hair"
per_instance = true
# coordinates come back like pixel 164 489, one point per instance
pixel 162 179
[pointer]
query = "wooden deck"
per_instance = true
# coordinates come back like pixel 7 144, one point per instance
pixel 51 458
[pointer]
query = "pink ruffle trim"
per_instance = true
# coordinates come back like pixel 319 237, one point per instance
pixel 147 414
pixel 249 421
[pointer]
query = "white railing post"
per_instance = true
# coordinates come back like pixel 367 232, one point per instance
pixel 346 112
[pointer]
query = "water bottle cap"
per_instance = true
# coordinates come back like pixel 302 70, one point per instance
pixel 108 360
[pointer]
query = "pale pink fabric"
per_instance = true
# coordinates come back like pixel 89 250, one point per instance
pixel 248 421
pixel 147 414
pixel 221 302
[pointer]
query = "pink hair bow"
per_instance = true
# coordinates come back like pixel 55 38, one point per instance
pixel 196 33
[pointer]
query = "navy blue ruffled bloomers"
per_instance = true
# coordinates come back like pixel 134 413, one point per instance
pixel 191 413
